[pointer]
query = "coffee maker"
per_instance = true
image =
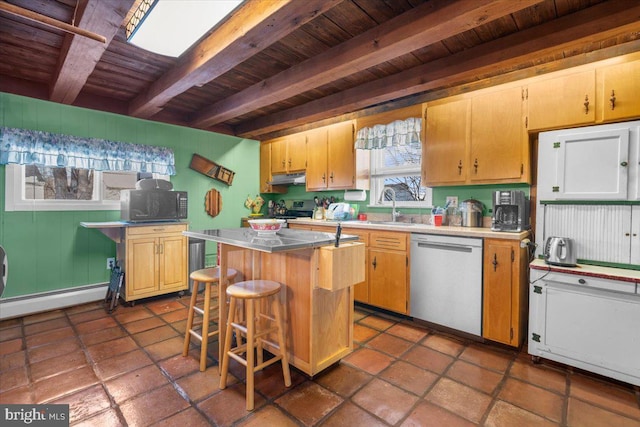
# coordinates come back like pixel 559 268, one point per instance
pixel 510 211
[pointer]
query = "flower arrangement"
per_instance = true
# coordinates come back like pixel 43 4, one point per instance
pixel 254 205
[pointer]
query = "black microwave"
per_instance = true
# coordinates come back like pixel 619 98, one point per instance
pixel 153 205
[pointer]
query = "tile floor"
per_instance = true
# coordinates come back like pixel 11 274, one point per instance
pixel 126 369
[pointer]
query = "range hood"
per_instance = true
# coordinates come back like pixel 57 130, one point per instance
pixel 289 178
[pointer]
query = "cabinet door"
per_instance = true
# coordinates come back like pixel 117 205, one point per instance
pixel 563 101
pixel 265 172
pixel 444 149
pixel 296 152
pixel 278 155
pixel 173 264
pixel 141 276
pixel 361 290
pixel 388 280
pixel 341 156
pixel 317 155
pixel 498 290
pixel 620 91
pixel 497 136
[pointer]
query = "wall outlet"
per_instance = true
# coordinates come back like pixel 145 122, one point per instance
pixel 453 201
pixel 111 262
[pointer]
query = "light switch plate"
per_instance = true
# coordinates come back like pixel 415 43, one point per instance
pixel 452 201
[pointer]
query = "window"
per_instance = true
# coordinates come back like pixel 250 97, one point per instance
pixel 398 167
pixel 44 188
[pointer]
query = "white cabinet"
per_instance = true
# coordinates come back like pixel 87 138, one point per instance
pixel 586 322
pixel 593 163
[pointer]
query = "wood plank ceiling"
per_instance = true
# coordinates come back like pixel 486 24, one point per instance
pixel 281 66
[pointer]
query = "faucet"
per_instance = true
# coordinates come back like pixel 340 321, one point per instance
pixel 394 214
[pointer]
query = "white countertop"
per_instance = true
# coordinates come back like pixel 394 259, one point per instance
pixel 590 270
pixel 481 232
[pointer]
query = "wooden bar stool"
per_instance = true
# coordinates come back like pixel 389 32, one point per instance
pixel 251 293
pixel 208 277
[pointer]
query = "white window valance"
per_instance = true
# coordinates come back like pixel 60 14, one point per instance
pixel 399 132
pixel 32 147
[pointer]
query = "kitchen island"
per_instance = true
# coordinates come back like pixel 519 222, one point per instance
pixel 317 292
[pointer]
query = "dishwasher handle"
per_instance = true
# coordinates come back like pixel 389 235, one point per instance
pixel 445 246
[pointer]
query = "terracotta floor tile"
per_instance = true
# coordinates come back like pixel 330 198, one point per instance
pixel 143 325
pixel 49 336
pixel 369 360
pixel 169 348
pixel 96 325
pixel 357 314
pixel 268 416
pixel 190 417
pixel 179 366
pixel 56 365
pixel 13 360
pixel 428 359
pixel 175 316
pixel 475 376
pixel 11 323
pixel 11 346
pixel 584 414
pixel 608 396
pixel 410 333
pixel 409 377
pixel 121 363
pixel 131 314
pixel 385 400
pixel 63 384
pixel 444 344
pixel 504 414
pixel 164 306
pixel 102 336
pixel 487 357
pixel 539 374
pixel 390 344
pixel 108 349
pixel 377 322
pixel 363 333
pixel 91 306
pixel 534 399
pixel 150 408
pixel 11 333
pixel 343 379
pixel 460 399
pixel 106 418
pixel 88 315
pixel 229 405
pixel 19 395
pixel 49 325
pixel 43 317
pixel 13 378
pixel 349 414
pixel 48 351
pixel 136 382
pixel 200 385
pixel 309 403
pixel 85 403
pixel 428 414
pixel 155 335
pixel 270 381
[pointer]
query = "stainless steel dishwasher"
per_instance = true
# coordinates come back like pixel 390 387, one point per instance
pixel 446 281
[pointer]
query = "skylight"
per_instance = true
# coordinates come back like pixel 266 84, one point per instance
pixel 170 27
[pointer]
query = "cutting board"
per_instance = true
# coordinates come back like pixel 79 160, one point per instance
pixel 213 202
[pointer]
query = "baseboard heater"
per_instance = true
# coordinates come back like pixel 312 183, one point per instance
pixel 25 305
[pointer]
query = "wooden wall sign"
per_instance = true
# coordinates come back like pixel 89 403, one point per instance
pixel 213 202
pixel 211 169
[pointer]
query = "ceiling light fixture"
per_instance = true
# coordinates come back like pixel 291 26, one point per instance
pixel 170 27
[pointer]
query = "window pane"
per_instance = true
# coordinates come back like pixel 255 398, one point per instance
pixel 48 183
pixel 407 188
pixel 114 182
pixel 402 156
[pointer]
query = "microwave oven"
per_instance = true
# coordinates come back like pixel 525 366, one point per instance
pixel 152 205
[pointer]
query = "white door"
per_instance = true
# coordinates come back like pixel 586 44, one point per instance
pixel 635 235
pixel 593 165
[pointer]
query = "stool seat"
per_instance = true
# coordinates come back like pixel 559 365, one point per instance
pixel 208 277
pixel 256 330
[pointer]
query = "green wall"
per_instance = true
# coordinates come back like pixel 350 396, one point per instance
pixel 49 250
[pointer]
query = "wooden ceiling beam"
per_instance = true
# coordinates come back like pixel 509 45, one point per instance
pixel 422 26
pixel 79 55
pixel 255 26
pixel 592 25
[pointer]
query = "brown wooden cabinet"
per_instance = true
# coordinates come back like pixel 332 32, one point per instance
pixel 619 91
pixel 564 101
pixel 155 260
pixel 265 172
pixel 389 271
pixel 331 157
pixel 505 291
pixel 288 154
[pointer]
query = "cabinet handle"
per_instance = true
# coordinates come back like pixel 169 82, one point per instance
pixel 586 104
pixel 289 162
pixel 374 263
pixel 161 248
pixel 283 163
pixel 475 166
pixel 324 178
pixel 624 164
pixel 612 100
pixel 460 167
pixel 495 262
pixel 331 176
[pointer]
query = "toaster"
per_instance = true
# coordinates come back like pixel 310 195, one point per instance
pixel 560 251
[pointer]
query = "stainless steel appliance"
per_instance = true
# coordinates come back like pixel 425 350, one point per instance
pixel 510 211
pixel 560 251
pixel 471 211
pixel 446 281
pixel 298 209
pixel 153 205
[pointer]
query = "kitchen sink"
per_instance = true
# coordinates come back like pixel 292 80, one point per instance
pixel 391 223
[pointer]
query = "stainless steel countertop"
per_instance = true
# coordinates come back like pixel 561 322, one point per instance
pixel 284 240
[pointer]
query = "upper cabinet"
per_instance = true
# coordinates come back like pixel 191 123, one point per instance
pixel 265 171
pixel 332 157
pixel 288 154
pixel 619 90
pixel 565 101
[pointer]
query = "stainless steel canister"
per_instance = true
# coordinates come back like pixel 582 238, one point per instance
pixel 471 211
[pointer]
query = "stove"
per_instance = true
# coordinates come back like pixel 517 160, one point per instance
pixel 299 209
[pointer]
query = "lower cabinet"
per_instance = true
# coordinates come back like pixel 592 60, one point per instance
pixel 389 271
pixel 505 291
pixel 155 260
